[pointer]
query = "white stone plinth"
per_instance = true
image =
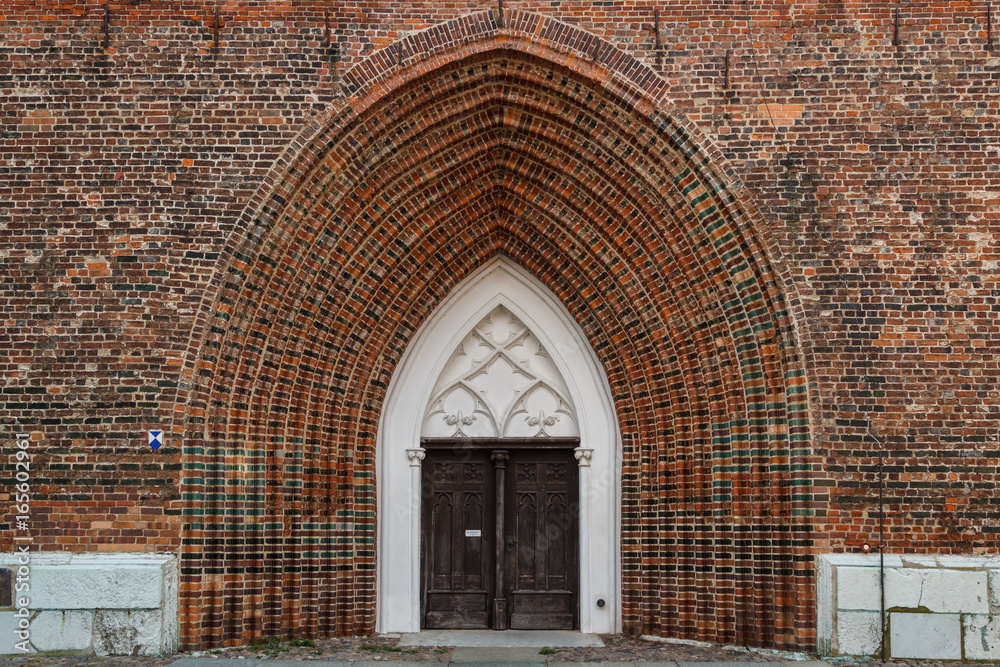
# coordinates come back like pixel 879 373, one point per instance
pixel 127 632
pixel 96 585
pixel 112 604
pixel 858 632
pixel 994 584
pixel 942 605
pixel 70 630
pixel 925 636
pixel 8 638
pixel 858 588
pixel 903 588
pixel 955 591
pixel 982 637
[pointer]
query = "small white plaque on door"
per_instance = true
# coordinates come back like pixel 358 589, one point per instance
pixel 473 533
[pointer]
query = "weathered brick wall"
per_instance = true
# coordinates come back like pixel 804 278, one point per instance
pixel 134 175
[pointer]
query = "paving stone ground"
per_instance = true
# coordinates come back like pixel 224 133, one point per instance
pixel 363 651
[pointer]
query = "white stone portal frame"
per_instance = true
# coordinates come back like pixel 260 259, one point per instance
pixel 398 453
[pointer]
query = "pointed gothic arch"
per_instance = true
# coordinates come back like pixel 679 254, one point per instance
pixel 537 141
pixel 498 284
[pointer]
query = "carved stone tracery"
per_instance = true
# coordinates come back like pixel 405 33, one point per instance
pixel 500 382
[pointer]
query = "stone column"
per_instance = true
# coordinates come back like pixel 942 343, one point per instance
pixel 416 456
pixel 583 456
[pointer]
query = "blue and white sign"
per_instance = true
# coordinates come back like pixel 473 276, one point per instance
pixel 155 439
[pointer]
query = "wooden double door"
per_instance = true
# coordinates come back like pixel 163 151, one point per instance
pixel 499 545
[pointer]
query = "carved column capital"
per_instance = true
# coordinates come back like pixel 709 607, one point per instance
pixel 500 457
pixel 583 455
pixel 416 455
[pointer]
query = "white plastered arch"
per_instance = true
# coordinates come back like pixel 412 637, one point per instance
pixel 398 457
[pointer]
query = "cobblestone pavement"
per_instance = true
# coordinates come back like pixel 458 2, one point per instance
pixel 616 649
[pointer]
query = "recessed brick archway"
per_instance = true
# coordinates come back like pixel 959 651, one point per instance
pixel 540 142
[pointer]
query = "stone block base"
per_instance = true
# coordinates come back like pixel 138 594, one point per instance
pixel 935 607
pixel 106 604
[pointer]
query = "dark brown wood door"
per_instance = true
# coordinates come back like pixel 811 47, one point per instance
pixel 499 539
pixel 457 543
pixel 542 560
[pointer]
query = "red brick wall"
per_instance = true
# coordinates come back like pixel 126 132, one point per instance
pixel 196 240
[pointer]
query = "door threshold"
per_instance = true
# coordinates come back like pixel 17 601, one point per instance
pixel 501 638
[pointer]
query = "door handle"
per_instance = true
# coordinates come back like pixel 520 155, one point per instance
pixel 510 544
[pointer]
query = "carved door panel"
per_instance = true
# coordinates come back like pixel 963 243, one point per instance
pixel 457 541
pixel 499 544
pixel 542 567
